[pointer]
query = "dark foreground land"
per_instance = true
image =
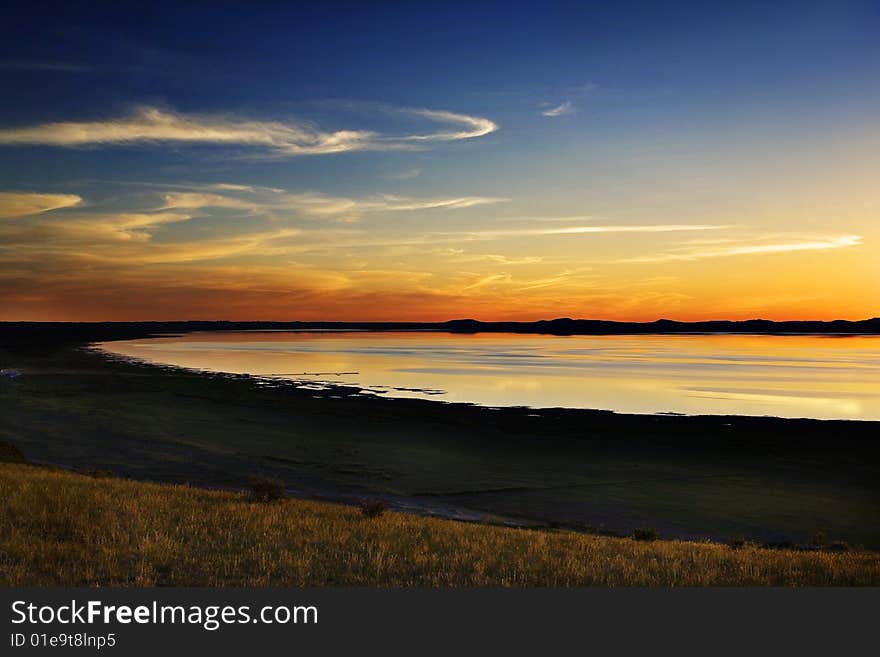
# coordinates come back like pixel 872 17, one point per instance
pixel 774 481
pixel 60 528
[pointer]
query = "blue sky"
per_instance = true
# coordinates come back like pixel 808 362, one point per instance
pixel 733 119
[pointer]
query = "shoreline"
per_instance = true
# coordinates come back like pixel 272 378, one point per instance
pixel 691 477
pixel 352 391
pixel 673 400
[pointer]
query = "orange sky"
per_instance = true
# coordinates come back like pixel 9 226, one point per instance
pixel 722 226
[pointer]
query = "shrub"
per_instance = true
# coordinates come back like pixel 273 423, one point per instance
pixel 97 473
pixel 268 490
pixel 645 534
pixel 738 542
pixel 9 453
pixel 373 508
pixel 838 546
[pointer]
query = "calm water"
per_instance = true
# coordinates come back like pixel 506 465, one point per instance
pixel 788 376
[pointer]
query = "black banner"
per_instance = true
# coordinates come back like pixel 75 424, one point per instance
pixel 420 621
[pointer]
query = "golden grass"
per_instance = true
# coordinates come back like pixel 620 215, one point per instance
pixel 59 528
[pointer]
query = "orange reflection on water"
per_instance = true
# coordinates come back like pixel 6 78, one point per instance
pixel 788 376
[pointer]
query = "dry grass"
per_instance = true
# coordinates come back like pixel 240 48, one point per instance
pixel 58 528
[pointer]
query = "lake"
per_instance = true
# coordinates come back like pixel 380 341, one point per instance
pixel 786 376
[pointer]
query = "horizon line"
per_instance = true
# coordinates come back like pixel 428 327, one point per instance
pixel 426 322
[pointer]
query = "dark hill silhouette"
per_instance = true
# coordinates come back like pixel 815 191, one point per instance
pixel 21 334
pixel 567 326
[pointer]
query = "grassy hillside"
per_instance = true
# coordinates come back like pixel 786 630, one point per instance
pixel 59 528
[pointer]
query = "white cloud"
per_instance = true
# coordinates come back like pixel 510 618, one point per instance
pixel 559 110
pixel 194 200
pixel 584 230
pixel 651 228
pixel 150 124
pixel 14 204
pixel 459 237
pixel 389 202
pixel 470 126
pixel 461 256
pixel 821 244
pixel 241 188
pixel 315 204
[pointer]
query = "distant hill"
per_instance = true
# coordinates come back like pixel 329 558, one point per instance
pixel 566 326
pixel 72 332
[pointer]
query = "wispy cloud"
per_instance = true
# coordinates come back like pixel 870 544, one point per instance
pixel 127 239
pixel 468 126
pixel 586 230
pixel 124 227
pixel 505 260
pixel 458 237
pixel 559 110
pixel 14 204
pixel 197 200
pixel 268 214
pixel 407 174
pixel 292 138
pixel 321 205
pixel 241 188
pixel 546 282
pixel 313 204
pixel 486 280
pixel 389 202
pixel 462 256
pixel 649 228
pixel 821 244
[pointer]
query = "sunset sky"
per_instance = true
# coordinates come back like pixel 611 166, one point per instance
pixel 428 161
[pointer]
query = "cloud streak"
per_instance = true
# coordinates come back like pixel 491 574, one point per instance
pixel 154 125
pixel 262 226
pixel 313 204
pixel 469 126
pixel 14 204
pixel 559 110
pixel 822 244
pixel 587 230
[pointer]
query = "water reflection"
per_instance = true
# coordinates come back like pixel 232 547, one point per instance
pixel 789 376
